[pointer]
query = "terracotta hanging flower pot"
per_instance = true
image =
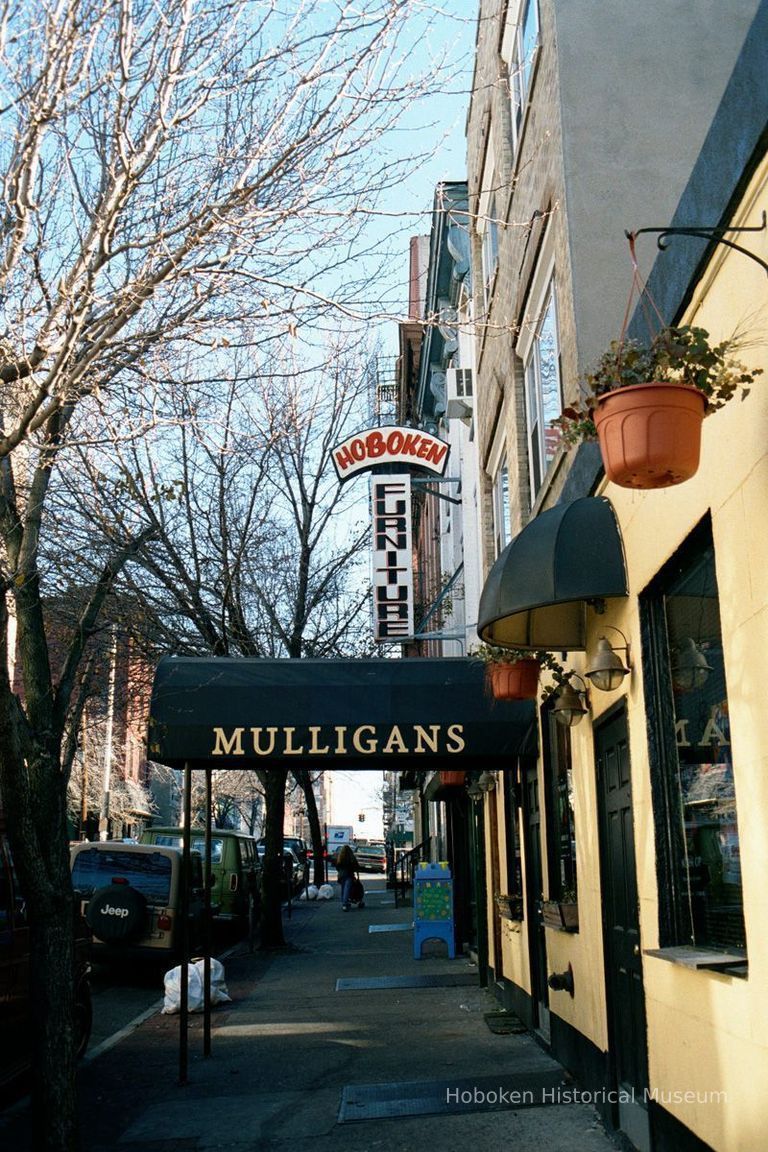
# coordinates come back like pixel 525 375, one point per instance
pixel 650 434
pixel 455 779
pixel 517 681
pixel 645 403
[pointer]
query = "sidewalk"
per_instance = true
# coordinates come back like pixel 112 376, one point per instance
pixel 304 1059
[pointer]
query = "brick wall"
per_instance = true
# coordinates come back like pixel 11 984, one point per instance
pixel 532 199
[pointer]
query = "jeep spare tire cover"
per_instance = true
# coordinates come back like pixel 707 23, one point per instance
pixel 117 913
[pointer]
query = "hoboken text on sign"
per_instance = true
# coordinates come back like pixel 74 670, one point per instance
pixel 340 740
pixel 392 573
pixel 389 445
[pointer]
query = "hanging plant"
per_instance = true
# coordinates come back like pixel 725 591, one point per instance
pixel 645 404
pixel 513 673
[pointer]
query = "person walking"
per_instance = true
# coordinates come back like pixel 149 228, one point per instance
pixel 347 868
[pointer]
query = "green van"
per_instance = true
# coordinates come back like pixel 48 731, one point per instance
pixel 235 867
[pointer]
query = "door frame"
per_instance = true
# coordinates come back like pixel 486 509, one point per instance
pixel 537 941
pixel 631 1116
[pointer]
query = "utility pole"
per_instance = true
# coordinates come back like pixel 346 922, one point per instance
pixel 84 777
pixel 104 813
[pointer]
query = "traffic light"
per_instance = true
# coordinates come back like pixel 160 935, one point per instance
pixel 361 818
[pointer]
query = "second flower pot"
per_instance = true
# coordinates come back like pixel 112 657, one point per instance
pixel 516 681
pixel 650 434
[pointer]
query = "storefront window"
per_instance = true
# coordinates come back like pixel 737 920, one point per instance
pixel 698 782
pixel 704 784
pixel 561 826
pixel 514 862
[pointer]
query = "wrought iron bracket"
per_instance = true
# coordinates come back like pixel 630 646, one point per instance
pixel 426 482
pixel 714 235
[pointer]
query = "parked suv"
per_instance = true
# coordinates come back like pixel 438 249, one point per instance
pixel 235 867
pixel 131 897
pixel 15 1005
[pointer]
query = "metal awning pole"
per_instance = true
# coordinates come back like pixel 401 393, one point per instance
pixel 186 863
pixel 207 925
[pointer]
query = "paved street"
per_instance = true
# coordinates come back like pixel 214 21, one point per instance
pixel 343 1041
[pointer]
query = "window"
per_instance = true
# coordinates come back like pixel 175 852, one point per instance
pixel 148 873
pixel 695 810
pixel 490 206
pixel 543 401
pixel 514 882
pixel 490 248
pixel 519 46
pixel 561 833
pixel 501 511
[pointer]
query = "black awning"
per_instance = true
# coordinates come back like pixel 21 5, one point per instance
pixel 538 590
pixel 401 714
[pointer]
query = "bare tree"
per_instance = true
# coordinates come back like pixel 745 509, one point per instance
pixel 165 171
pixel 254 549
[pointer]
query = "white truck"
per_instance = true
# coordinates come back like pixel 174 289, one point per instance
pixel 336 836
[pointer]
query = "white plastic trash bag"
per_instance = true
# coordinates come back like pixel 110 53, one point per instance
pixel 325 892
pixel 309 893
pixel 219 994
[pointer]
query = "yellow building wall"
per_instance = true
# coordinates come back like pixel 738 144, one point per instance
pixel 707 1032
pixel 515 963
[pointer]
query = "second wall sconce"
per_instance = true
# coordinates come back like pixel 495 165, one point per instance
pixel 570 707
pixel 606 670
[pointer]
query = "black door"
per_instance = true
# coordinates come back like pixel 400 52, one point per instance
pixel 623 959
pixel 534 890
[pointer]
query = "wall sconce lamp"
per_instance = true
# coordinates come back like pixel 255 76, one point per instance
pixel 487 781
pixel 474 791
pixel 571 704
pixel 606 670
pixel 689 666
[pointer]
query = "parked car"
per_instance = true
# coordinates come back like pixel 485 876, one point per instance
pixel 293 870
pixel 131 897
pixel 235 867
pixel 372 857
pixel 299 846
pixel 15 1003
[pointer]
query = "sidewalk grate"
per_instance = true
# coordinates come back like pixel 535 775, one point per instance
pixel 451 1097
pixel 444 980
pixel 390 927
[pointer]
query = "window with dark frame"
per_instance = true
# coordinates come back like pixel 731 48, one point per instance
pixel 511 808
pixel 561 824
pixel 692 765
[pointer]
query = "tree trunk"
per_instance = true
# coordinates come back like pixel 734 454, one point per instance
pixel 304 780
pixel 271 922
pixel 41 856
pixel 54 1098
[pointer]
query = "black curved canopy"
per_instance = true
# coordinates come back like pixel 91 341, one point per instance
pixel 565 559
pixel 236 712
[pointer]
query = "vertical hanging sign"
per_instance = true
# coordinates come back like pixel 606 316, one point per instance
pixel 392 564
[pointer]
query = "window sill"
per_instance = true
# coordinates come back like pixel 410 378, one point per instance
pixel 702 959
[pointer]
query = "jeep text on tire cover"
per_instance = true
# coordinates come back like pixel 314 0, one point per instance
pixel 117 914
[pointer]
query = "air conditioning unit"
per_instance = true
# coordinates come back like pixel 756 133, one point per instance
pixel 458 382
